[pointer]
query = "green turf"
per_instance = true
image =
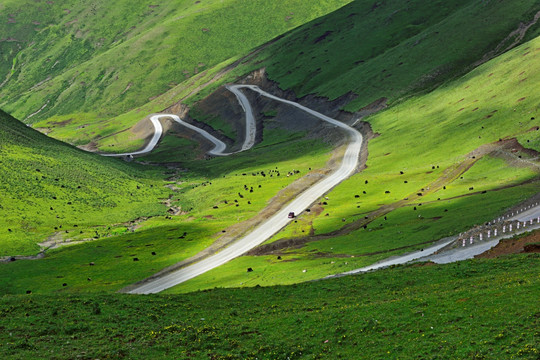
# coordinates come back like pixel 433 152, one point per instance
pixel 391 49
pixel 423 137
pixel 429 134
pixel 109 58
pixel 148 58
pixel 207 194
pixel 405 230
pixel 48 188
pixel 483 309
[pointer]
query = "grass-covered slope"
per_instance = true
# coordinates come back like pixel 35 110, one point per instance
pixel 213 206
pixel 107 58
pixel 86 81
pixel 480 309
pixel 427 137
pixel 389 49
pixel 48 188
pixel 436 169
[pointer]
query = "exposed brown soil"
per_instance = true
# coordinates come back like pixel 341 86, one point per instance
pixel 529 243
pixel 423 264
pixel 62 123
pixel 377 105
pixel 221 104
pixel 284 247
pixel 7 259
pixel 91 147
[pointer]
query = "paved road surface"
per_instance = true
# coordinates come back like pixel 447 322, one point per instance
pixel 219 146
pixel 275 223
pixel 451 255
pixel 532 213
pixel 304 200
pixel 251 127
pixel 153 142
pixel 402 259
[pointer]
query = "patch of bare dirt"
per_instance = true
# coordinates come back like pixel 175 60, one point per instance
pixel 173 210
pixel 38 111
pixel 424 264
pixel 61 123
pixel 7 259
pixel 173 187
pixel 529 243
pixel 40 83
pixel 376 106
pixel 129 85
pixel 91 147
pixel 517 155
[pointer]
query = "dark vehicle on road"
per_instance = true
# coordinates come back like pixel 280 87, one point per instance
pixel 291 215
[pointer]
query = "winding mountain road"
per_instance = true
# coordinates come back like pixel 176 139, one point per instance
pixel 219 146
pixel 276 222
pixel 158 131
pixel 279 220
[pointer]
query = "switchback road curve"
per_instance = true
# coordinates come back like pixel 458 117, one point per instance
pixel 219 146
pixel 276 222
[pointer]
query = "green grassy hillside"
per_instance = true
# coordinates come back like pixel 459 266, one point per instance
pixel 211 209
pixel 105 59
pixel 149 57
pixel 481 309
pixel 384 51
pixel 50 189
pixel 391 49
pixel 456 146
pixel 456 173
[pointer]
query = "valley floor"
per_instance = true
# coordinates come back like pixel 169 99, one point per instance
pixel 484 308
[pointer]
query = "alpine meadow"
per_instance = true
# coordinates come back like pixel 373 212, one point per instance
pixel 234 179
